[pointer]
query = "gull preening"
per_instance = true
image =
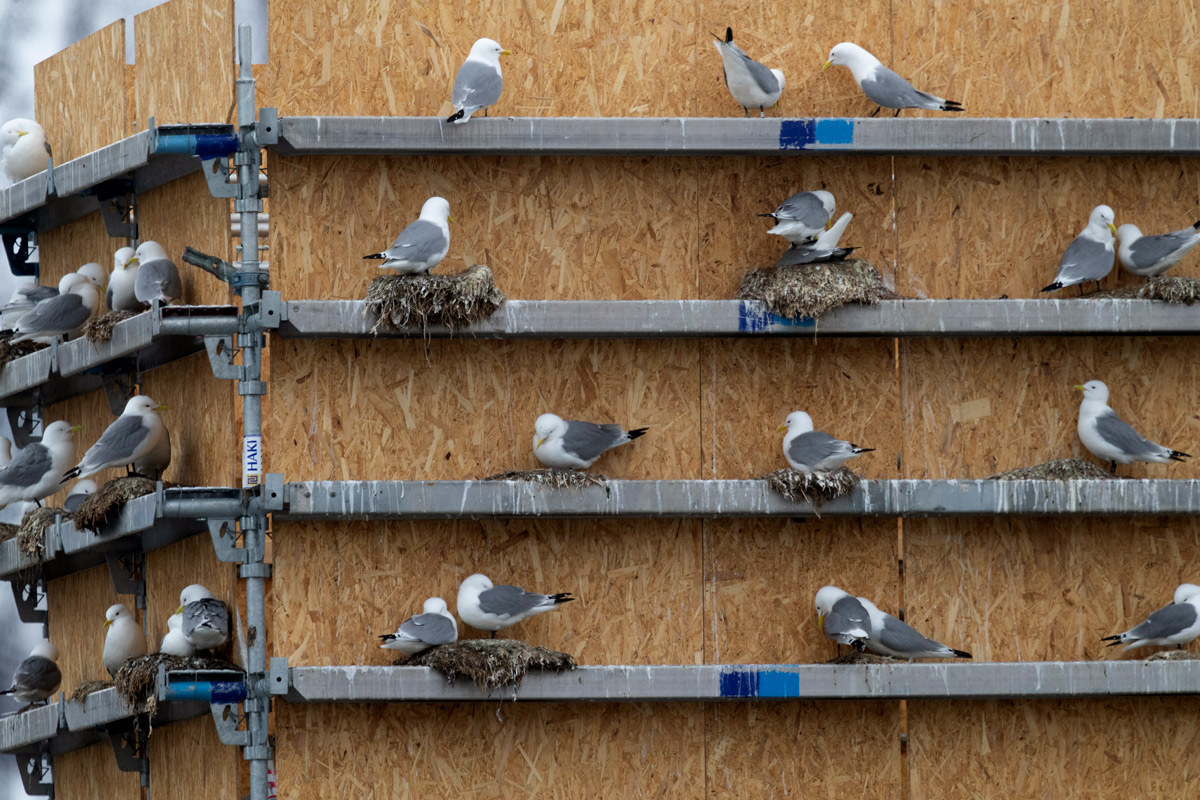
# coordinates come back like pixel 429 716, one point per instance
pixel 1111 439
pixel 824 248
pixel 882 86
pixel 26 151
pixel 804 216
pixel 205 619
pixel 571 444
pixel 1090 256
pixel 1151 256
pixel 1176 624
pixel 137 440
pixel 843 618
pixel 894 637
pixel 493 608
pixel 124 639
pixel 433 626
pixel 751 84
pixel 422 245
pixel 813 451
pixel 37 676
pixel 157 278
pixel 479 81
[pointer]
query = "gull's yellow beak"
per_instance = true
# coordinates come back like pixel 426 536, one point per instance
pixel 22 133
pixel 132 260
pixel 1078 387
pixel 1112 228
pixel 506 52
pixel 161 408
pixel 829 224
pixel 449 219
pixel 179 610
pixel 75 428
pixel 828 64
pixel 781 429
pixel 539 441
pixel 821 621
pixel 107 622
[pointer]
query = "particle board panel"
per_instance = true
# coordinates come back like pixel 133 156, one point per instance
pixel 637 583
pixel 974 407
pixel 549 228
pixel 383 410
pixel 76 605
pixel 171 569
pixel 204 417
pixel 761 578
pixel 997 227
pixel 171 747
pixel 848 387
pixel 1043 590
pixel 79 94
pixel 183 62
pixel 1091 749
pixel 1058 59
pixel 814 750
pixel 66 249
pixel 92 772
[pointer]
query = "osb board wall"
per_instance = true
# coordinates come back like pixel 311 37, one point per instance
pixel 79 94
pixel 974 407
pixel 338 586
pixel 1035 589
pixel 196 39
pixel 377 410
pixel 92 772
pixel 181 214
pixel 181 743
pixel 76 606
pixel 1104 748
pixel 66 249
pixel 202 415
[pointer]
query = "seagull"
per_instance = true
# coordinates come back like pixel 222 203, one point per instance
pixel 893 637
pixel 124 639
pixel 79 492
pixel 572 444
pixel 26 151
pixel 1107 437
pixel 62 315
pixel 38 676
pixel 479 82
pixel 22 301
pixel 843 618
pixel 434 626
pixel 174 643
pixel 1151 256
pixel 133 440
pixel 803 216
pixel 35 472
pixel 1176 624
pixel 120 295
pixel 422 245
pixel 494 608
pixel 751 84
pixel 812 451
pixel 1090 257
pixel 205 622
pixel 157 278
pixel 883 87
pixel 825 248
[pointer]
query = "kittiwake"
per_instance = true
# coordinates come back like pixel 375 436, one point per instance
pixel 1176 624
pixel 479 81
pixel 1111 439
pixel 893 637
pixel 494 608
pixel 1090 256
pixel 751 84
pixel 422 245
pixel 572 444
pixel 813 451
pixel 882 86
pixel 434 626
pixel 1151 256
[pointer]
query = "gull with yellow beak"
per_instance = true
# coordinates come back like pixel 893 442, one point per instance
pixel 137 440
pixel 121 295
pixel 882 86
pixel 205 622
pixel 1090 257
pixel 842 618
pixel 572 444
pixel 124 639
pixel 813 451
pixel 26 151
pixel 423 244
pixel 479 81
pixel 35 471
pixel 1110 438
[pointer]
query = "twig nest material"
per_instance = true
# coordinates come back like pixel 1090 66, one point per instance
pixel 855 657
pixel 136 678
pixel 554 478
pixel 99 329
pixel 100 507
pixel 10 352
pixel 1063 469
pixel 31 534
pixel 811 487
pixel 490 663
pixel 809 290
pixel 1173 655
pixel 1169 289
pixel 455 301
pixel 88 687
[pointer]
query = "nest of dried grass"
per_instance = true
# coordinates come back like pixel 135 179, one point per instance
pixel 810 487
pixel 101 506
pixel 554 478
pixel 89 687
pixel 1169 289
pixel 136 678
pixel 490 663
pixel 31 533
pixel 855 657
pixel 455 301
pixel 1062 469
pixel 11 352
pixel 1173 655
pixel 809 290
pixel 8 531
pixel 99 329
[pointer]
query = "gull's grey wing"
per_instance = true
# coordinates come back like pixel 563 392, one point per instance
pixel 39 673
pixel 108 298
pixel 119 443
pixel 800 254
pixel 847 615
pixel 1085 260
pixel 804 207
pixel 1167 621
pixel 429 628
pixel 1149 250
pixel 476 85
pixel 208 613
pixel 419 242
pixel 74 501
pixel 508 600
pixel 587 440
pixel 39 293
pixel 157 279
pixel 765 79
pixel 814 447
pixel 886 88
pixel 1119 434
pixel 901 637
pixel 65 312
pixel 27 468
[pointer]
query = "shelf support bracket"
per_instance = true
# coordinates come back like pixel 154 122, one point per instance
pixel 34 768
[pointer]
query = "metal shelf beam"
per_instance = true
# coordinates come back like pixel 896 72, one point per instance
pixel 334 500
pixel 918 681
pixel 653 319
pixel 737 136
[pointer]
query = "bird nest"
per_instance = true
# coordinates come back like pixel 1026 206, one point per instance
pixel 1063 469
pixel 88 687
pixel 809 290
pixel 489 663
pixel 99 329
pixel 811 487
pixel 1173 655
pixel 554 478
pixel 455 301
pixel 100 507
pixel 31 533
pixel 855 657
pixel 11 352
pixel 138 676
pixel 1171 289
pixel 8 531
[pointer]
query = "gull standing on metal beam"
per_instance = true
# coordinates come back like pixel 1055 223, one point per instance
pixel 205 618
pixel 157 278
pixel 1176 624
pixel 1151 256
pixel 36 470
pixel 38 676
pixel 751 84
pixel 494 608
pixel 813 451
pixel 479 82
pixel 1111 439
pixel 132 439
pixel 825 248
pixel 422 245
pixel 1090 257
pixel 842 618
pixel 571 444
pixel 882 86
pixel 434 626
pixel 124 639
pixel 893 637
pixel 62 315
pixel 26 151
pixel 803 216
pixel 121 295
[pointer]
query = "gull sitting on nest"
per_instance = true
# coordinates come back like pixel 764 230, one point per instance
pixel 1151 256
pixel 124 639
pixel 572 444
pixel 434 626
pixel 824 248
pixel 205 622
pixel 26 151
pixel 813 451
pixel 494 608
pixel 422 245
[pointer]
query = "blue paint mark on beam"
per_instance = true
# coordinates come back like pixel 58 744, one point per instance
pixel 753 317
pixel 809 134
pixel 207 691
pixel 765 683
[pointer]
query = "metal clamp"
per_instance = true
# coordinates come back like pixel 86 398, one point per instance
pixel 254 570
pixel 226 718
pixel 34 768
pixel 216 173
pixel 241 280
pixel 224 537
pixel 220 357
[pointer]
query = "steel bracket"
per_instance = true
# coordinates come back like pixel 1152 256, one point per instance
pixel 227 719
pixel 24 422
pixel 216 172
pixel 129 747
pixel 34 768
pixel 224 538
pixel 221 351
pixel 279 678
pixel 118 207
pixel 266 131
pixel 20 241
pixel 27 595
pixel 118 388
pixel 128 573
pixel 272 491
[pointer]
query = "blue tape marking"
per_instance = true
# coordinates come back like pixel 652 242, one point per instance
pixel 205 145
pixel 835 131
pixel 796 134
pixel 228 691
pixel 739 683
pixel 778 684
pixel 208 692
pixel 753 317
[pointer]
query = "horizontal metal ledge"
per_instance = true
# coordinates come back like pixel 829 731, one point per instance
pixel 918 681
pixel 732 498
pixel 737 136
pixel 149 340
pixel 653 319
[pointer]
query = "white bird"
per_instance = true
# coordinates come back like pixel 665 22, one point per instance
pixel 157 278
pixel 422 245
pixel 95 273
pixel 21 301
pixel 803 216
pixel 79 492
pixel 1176 624
pixel 62 315
pixel 824 248
pixel 35 472
pixel 174 643
pixel 1151 256
pixel 812 451
pixel 572 444
pixel 842 618
pixel 131 440
pixel 38 676
pixel 493 608
pixel 1111 439
pixel 751 84
pixel 124 639
pixel 1090 256
pixel 205 620
pixel 121 295
pixel 434 626
pixel 894 637
pixel 26 151
pixel 882 86
pixel 479 81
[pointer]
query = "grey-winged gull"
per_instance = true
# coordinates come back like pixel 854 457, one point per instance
pixel 434 626
pixel 751 84
pixel 894 637
pixel 422 245
pixel 1111 439
pixel 479 81
pixel 882 86
pixel 813 451
pixel 1176 624
pixel 573 444
pixel 493 608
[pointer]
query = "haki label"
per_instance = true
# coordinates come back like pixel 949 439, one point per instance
pixel 252 463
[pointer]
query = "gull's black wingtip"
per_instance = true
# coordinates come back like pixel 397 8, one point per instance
pixel 636 432
pixel 457 115
pixel 1054 287
pixel 961 653
pixel 728 35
